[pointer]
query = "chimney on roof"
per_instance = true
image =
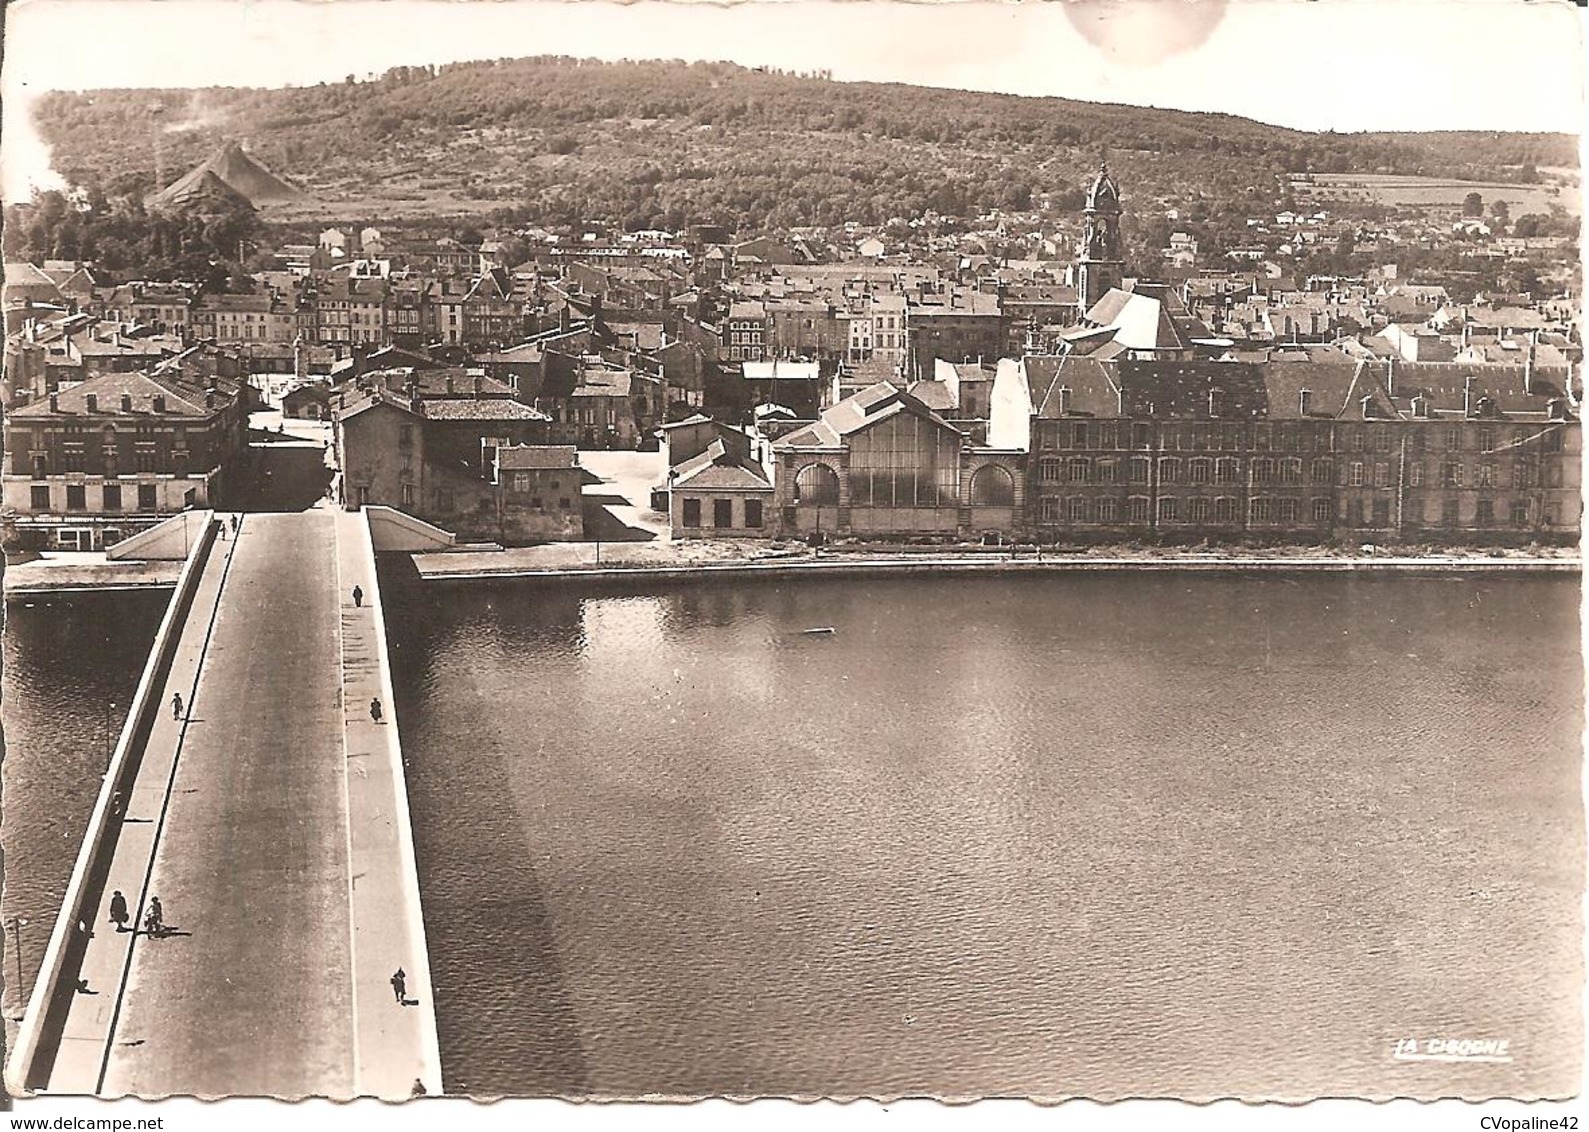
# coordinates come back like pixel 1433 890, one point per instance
pixel 92 400
pixel 209 399
pixel 1467 396
pixel 1528 365
pixel 126 402
pixel 449 385
pixel 55 403
pixel 1390 376
pixel 158 403
pixel 475 385
pixel 1305 403
pixel 1064 400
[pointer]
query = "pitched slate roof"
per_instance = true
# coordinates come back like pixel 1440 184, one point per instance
pixel 1447 386
pixel 1171 389
pixel 1330 386
pixel 1093 392
pixel 1146 320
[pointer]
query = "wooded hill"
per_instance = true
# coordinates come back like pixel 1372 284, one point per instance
pixel 664 144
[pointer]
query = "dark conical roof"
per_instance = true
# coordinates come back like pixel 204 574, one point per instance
pixel 245 177
pixel 1104 195
pixel 201 191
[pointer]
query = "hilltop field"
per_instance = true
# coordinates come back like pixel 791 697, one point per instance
pixel 1442 192
pixel 655 144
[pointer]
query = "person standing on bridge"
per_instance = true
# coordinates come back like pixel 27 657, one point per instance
pixel 118 910
pixel 176 705
pixel 154 920
pixel 400 987
pixel 375 709
pixel 358 597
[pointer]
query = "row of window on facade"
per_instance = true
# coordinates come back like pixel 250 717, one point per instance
pixel 1289 437
pixel 41 497
pixel 1287 470
pixel 722 513
pixel 74 458
pixel 1227 510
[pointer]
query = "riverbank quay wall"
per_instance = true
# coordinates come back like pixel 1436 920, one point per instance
pixel 442 572
pixel 39 1037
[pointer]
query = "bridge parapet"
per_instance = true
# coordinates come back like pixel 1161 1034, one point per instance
pixel 38 1039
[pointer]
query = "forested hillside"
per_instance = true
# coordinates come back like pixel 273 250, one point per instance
pixel 667 143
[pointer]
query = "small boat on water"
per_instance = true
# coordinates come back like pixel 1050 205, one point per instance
pixel 824 631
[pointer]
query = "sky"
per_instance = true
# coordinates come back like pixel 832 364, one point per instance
pixel 1328 64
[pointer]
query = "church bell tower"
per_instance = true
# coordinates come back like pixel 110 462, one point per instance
pixel 1102 263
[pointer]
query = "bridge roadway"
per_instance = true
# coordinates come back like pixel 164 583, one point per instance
pixel 271 821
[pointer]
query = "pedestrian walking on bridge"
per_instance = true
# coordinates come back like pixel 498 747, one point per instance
pixel 154 920
pixel 375 709
pixel 358 597
pixel 176 705
pixel 118 910
pixel 400 986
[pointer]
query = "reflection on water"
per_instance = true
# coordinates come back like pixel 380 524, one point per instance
pixel 1074 834
pixel 71 667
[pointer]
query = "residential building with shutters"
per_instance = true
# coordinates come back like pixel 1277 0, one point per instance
pixel 92 464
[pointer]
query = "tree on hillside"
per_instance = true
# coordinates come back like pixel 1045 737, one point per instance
pixel 1473 205
pixel 1500 211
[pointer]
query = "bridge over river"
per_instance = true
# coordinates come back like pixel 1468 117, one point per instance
pixel 269 815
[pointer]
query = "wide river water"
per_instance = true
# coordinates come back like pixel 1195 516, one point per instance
pixel 1106 835
pixel 71 665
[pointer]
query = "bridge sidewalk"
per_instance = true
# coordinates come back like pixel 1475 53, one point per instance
pixel 396 1047
pixel 84 1052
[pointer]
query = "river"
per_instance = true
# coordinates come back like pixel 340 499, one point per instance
pixel 71 666
pixel 1077 834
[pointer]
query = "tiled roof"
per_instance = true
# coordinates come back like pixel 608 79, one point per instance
pixel 603 383
pixel 24 274
pixel 180 402
pixel 526 456
pixel 934 394
pixel 716 469
pixel 479 409
pixel 696 419
pixel 859 411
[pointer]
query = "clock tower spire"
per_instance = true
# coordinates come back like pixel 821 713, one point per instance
pixel 1102 263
